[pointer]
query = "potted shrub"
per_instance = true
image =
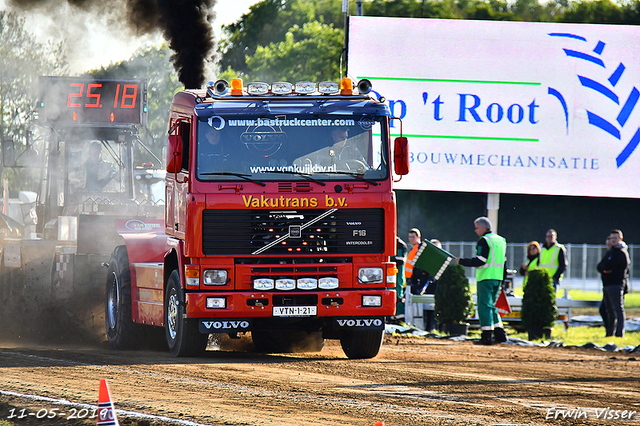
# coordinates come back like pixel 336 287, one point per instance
pixel 539 310
pixel 453 303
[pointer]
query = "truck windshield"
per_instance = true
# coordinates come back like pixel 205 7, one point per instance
pixel 292 148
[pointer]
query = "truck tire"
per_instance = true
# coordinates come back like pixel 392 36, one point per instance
pixel 361 344
pixel 122 332
pixel 183 336
pixel 287 341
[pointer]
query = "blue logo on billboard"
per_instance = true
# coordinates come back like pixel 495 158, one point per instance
pixel 608 89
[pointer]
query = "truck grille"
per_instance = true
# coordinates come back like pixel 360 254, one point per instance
pixel 338 231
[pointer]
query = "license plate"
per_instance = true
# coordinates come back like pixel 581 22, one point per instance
pixel 513 314
pixel 295 311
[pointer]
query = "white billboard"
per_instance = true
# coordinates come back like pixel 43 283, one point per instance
pixel 508 107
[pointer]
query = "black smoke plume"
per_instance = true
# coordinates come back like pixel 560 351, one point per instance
pixel 185 24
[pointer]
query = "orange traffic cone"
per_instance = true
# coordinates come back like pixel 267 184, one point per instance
pixel 379 423
pixel 106 410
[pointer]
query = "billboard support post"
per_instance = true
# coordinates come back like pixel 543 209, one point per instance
pixel 493 206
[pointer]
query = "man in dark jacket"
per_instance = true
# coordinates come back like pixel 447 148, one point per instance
pixel 614 268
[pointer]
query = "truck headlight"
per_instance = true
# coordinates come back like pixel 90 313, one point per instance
pixel 214 277
pixel 372 300
pixel 216 302
pixel 370 275
pixel 263 284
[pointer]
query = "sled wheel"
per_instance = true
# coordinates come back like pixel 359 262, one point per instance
pixel 122 332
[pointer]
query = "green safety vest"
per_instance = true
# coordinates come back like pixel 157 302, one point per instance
pixel 549 258
pixel 494 268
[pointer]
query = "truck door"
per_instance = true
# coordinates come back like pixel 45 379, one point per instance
pixel 177 184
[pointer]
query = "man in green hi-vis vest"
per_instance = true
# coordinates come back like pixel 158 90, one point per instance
pixel 553 257
pixel 489 262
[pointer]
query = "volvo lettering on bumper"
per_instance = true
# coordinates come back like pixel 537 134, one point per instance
pixel 224 326
pixel 359 323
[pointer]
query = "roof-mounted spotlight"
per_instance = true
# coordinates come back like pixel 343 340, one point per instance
pixel 258 88
pixel 364 86
pixel 328 87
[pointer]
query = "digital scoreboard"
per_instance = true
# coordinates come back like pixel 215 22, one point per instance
pixel 86 101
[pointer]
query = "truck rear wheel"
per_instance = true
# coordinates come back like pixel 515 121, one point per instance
pixel 287 341
pixel 122 332
pixel 361 344
pixel 183 336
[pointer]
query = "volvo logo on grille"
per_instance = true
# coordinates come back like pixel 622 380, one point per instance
pixel 295 231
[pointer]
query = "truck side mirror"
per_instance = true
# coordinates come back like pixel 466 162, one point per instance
pixel 401 156
pixel 8 154
pixel 174 154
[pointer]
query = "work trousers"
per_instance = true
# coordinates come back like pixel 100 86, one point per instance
pixel 614 304
pixel 488 292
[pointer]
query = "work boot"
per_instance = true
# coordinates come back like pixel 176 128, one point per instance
pixel 499 335
pixel 485 338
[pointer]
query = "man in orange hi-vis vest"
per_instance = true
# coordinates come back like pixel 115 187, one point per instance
pixel 416 277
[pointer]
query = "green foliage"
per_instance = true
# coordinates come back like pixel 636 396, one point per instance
pixel 155 65
pixel 539 300
pixel 453 302
pixel 309 53
pixel 266 30
pixel 22 61
pixel 594 12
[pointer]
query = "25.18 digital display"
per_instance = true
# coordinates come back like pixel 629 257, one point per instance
pixel 86 101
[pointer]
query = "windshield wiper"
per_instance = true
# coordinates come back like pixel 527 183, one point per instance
pixel 240 175
pixel 354 174
pixel 307 176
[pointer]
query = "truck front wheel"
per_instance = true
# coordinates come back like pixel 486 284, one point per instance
pixel 122 332
pixel 183 336
pixel 361 344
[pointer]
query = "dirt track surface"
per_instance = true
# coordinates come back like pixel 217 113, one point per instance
pixel 413 381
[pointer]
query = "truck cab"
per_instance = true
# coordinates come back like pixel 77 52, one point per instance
pixel 280 219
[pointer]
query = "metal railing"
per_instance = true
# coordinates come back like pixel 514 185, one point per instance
pixel 582 260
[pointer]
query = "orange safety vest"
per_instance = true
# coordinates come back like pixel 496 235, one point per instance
pixel 408 267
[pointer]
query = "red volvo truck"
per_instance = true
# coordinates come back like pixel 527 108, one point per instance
pixel 280 221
